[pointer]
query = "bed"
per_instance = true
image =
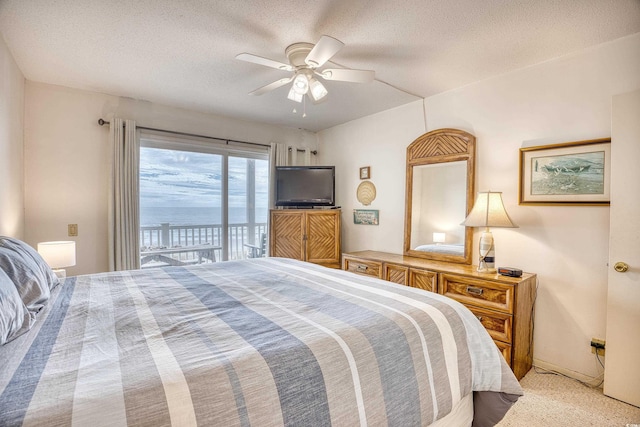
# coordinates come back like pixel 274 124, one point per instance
pixel 441 248
pixel 261 342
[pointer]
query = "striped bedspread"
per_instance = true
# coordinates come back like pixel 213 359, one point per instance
pixel 262 342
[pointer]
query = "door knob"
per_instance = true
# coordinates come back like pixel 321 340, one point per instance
pixel 621 267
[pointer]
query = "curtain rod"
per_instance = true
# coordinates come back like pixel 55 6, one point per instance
pixel 104 122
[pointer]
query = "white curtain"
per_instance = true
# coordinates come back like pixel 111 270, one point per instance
pixel 298 156
pixel 279 156
pixel 307 157
pixel 124 201
pixel 291 155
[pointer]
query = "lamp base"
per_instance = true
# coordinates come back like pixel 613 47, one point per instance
pixel 482 269
pixel 61 273
pixel 487 262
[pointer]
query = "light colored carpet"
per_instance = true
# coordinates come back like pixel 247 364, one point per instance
pixel 552 400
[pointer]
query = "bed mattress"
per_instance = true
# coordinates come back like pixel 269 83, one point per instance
pixel 264 342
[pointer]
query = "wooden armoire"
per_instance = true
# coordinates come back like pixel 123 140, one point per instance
pixel 311 235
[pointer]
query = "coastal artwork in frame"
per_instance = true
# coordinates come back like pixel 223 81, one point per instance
pixel 571 173
pixel 366 216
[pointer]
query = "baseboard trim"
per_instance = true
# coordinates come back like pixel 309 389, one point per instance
pixel 546 366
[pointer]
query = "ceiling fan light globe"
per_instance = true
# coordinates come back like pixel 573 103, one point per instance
pixel 318 91
pixel 294 96
pixel 301 84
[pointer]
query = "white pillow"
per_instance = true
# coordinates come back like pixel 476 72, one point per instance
pixel 31 275
pixel 15 319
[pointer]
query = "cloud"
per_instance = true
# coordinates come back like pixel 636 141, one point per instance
pixel 191 179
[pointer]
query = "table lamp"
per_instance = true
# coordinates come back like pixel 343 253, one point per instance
pixel 58 255
pixel 488 211
pixel 438 238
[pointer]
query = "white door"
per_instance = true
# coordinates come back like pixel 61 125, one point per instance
pixel 622 350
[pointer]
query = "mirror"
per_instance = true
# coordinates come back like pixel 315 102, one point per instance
pixel 440 189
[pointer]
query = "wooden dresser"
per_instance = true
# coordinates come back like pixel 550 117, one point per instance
pixel 311 235
pixel 504 305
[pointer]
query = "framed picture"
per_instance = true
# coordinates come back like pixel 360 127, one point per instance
pixel 365 172
pixel 571 173
pixel 366 216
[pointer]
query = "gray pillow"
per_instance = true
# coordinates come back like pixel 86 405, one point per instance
pixel 31 275
pixel 14 316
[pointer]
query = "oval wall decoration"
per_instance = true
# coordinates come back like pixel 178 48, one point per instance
pixel 366 192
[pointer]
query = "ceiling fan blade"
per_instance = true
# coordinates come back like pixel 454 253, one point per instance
pixel 348 75
pixel 271 86
pixel 323 51
pixel 248 57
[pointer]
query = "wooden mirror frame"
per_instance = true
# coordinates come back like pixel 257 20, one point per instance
pixel 441 146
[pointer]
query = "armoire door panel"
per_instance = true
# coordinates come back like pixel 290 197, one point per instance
pixel 289 242
pixel 323 237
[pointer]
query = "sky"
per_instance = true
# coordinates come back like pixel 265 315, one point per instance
pixel 171 178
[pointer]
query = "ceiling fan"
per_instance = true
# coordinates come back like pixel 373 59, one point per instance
pixel 305 60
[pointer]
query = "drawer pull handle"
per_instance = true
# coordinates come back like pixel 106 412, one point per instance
pixel 362 268
pixel 474 291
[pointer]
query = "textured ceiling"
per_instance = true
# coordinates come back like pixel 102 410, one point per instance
pixel 182 52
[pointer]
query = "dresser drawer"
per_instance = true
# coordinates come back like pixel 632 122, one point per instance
pixel 368 268
pixel 499 325
pixel 477 292
pixel 395 273
pixel 423 279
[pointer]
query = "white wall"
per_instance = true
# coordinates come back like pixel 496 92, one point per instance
pixel 67 159
pixel 11 145
pixel 379 141
pixel 568 99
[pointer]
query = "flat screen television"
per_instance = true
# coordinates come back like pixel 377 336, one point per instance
pixel 305 186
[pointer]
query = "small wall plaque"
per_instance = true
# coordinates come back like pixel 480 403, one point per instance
pixel 366 216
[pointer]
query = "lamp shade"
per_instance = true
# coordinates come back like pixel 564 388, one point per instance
pixel 488 211
pixel 59 254
pixel 438 237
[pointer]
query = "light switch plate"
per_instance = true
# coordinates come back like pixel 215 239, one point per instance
pixel 73 230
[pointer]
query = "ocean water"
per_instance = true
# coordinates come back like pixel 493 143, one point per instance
pixel 154 216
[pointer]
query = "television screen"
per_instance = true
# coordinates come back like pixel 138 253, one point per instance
pixel 305 186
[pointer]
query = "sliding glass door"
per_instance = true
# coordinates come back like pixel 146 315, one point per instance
pixel 248 183
pixel 200 202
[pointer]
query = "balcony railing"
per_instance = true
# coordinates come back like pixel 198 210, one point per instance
pixel 167 236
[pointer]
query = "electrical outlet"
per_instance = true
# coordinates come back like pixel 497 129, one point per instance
pixel 597 345
pixel 73 230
